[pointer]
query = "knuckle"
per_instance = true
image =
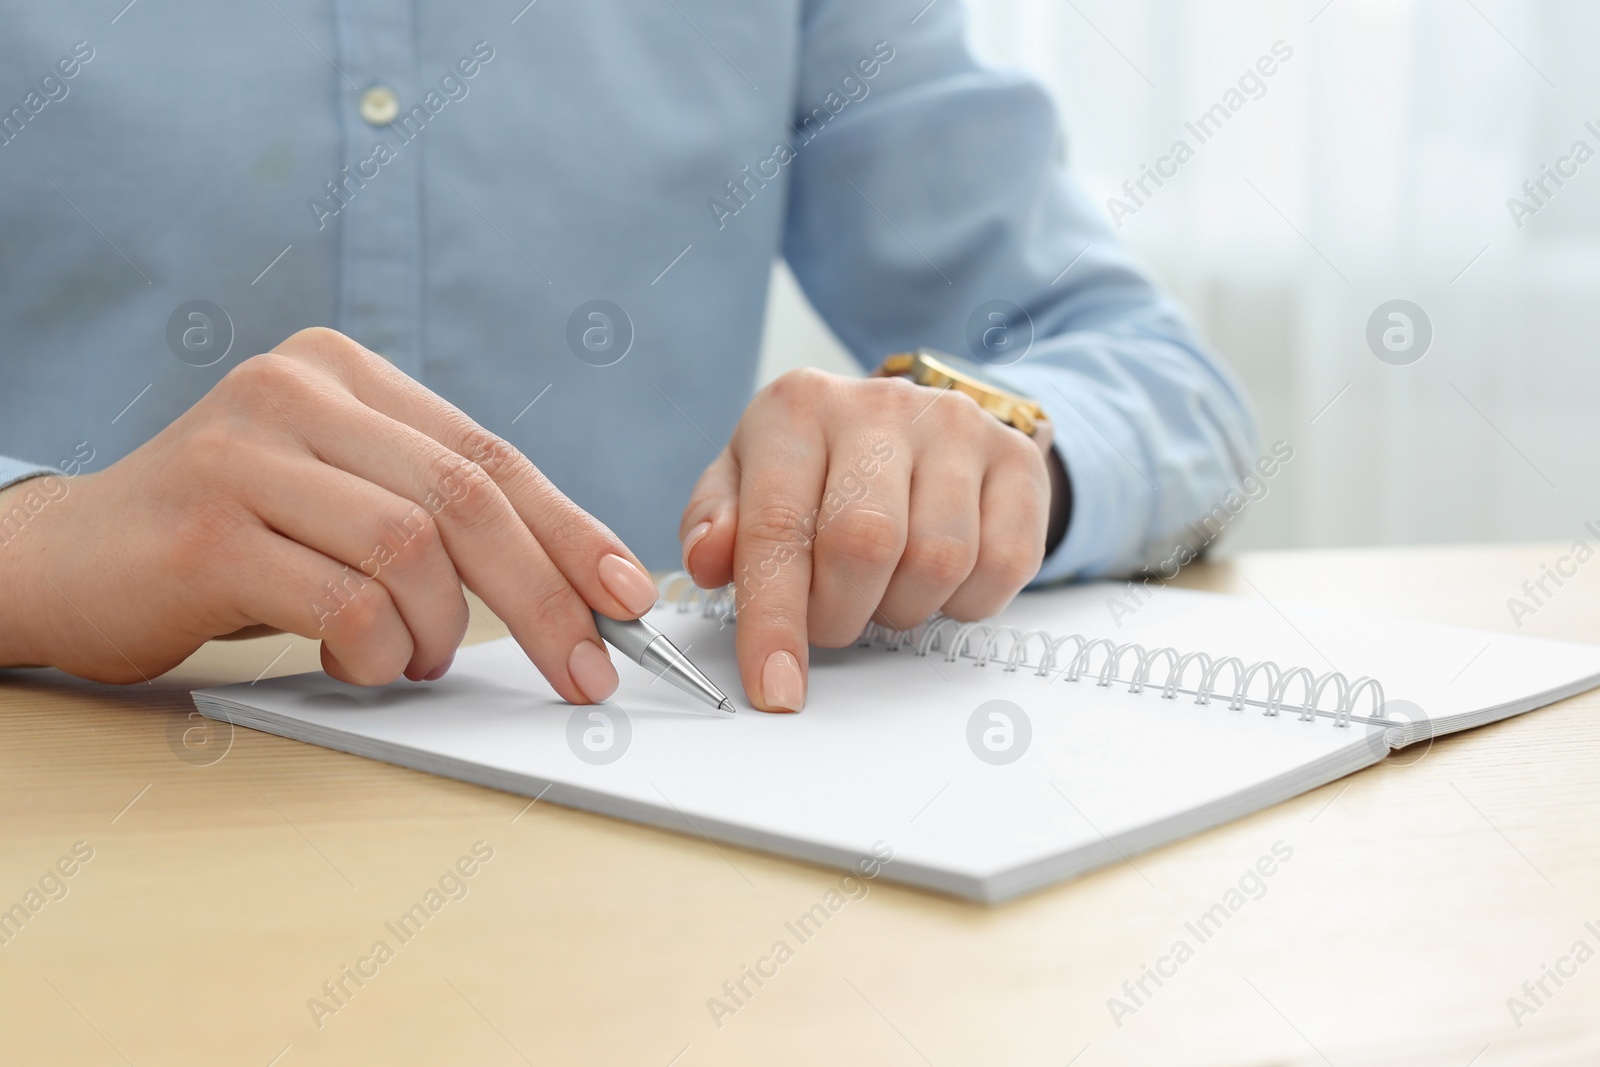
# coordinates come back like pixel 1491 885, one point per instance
pixel 494 454
pixel 1017 446
pixel 463 490
pixel 555 609
pixel 407 538
pixel 274 390
pixel 1010 564
pixel 774 523
pixel 358 605
pixel 773 612
pixel 969 410
pixel 800 389
pixel 520 477
pixel 271 373
pixel 571 530
pixel 367 608
pixel 897 393
pixel 940 560
pixel 323 343
pixel 314 337
pixel 867 538
pixel 938 407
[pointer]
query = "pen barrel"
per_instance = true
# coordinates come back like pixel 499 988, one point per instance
pixel 650 649
pixel 663 660
pixel 631 638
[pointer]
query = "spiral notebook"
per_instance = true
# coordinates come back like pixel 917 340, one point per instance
pixel 1081 727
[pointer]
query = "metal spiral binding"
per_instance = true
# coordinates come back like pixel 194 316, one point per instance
pixel 679 589
pixel 984 643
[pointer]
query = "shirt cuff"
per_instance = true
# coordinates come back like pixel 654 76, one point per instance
pixel 13 471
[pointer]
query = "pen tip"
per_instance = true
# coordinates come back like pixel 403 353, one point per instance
pixel 727 706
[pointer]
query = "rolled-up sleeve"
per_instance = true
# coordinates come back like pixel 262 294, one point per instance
pixel 938 192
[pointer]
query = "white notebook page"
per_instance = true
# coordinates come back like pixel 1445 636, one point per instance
pixel 881 755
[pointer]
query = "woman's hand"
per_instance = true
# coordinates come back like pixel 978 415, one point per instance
pixel 320 491
pixel 840 501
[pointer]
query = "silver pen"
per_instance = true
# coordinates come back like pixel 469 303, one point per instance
pixel 650 649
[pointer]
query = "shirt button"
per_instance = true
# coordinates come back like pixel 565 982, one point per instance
pixel 379 105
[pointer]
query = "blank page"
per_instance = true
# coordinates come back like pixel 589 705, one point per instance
pixel 883 755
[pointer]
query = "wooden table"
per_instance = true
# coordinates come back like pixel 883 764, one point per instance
pixel 228 884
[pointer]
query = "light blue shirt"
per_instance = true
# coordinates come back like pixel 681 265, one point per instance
pixel 653 154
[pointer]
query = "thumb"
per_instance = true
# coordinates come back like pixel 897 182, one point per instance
pixel 710 523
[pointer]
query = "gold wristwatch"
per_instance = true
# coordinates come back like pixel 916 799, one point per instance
pixel 941 371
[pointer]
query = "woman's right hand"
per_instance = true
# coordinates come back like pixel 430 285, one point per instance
pixel 318 490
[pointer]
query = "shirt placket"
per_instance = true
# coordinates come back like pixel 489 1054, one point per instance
pixel 380 247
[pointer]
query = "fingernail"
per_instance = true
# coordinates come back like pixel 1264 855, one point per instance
pixel 781 684
pixel 630 585
pixel 438 672
pixel 696 535
pixel 592 671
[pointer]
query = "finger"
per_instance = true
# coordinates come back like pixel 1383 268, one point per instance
pixel 1015 513
pixel 380 535
pixel 783 479
pixel 493 550
pixel 710 522
pixel 579 544
pixel 498 557
pixel 942 538
pixel 299 590
pixel 861 534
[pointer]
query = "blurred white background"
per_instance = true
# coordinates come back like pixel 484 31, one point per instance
pixel 1377 165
